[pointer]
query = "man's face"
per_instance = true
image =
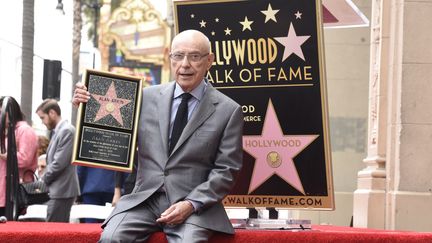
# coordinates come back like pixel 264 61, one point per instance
pixel 192 68
pixel 41 165
pixel 46 118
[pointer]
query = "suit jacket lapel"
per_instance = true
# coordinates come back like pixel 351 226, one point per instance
pixel 50 145
pixel 53 141
pixel 164 109
pixel 205 108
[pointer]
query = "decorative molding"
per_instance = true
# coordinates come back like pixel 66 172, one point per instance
pixel 140 33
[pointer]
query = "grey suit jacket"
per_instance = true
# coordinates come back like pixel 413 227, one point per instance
pixel 60 175
pixel 205 162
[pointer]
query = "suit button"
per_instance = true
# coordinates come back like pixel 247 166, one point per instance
pixel 166 173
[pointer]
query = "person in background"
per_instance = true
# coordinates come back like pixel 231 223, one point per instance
pixel 41 166
pixel 97 187
pixel 26 147
pixel 60 175
pixel 183 174
pixel 43 143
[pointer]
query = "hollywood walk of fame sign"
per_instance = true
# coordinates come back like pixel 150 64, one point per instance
pixel 107 123
pixel 269 58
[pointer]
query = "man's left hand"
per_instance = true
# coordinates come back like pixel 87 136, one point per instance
pixel 177 213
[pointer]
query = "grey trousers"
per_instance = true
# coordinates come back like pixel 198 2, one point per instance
pixel 58 209
pixel 138 223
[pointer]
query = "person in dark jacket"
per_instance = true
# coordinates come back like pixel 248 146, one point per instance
pixel 97 187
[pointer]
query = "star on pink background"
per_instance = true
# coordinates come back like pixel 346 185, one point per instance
pixel 110 104
pixel 292 43
pixel 289 146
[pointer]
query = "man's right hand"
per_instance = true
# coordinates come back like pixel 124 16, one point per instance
pixel 81 95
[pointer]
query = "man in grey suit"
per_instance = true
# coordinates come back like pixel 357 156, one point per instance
pixel 60 175
pixel 179 189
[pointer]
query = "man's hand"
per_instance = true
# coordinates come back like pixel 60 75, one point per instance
pixel 116 197
pixel 81 95
pixel 177 213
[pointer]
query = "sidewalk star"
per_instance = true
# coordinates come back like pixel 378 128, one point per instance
pixel 274 152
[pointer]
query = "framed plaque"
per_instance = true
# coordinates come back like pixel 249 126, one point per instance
pixel 107 124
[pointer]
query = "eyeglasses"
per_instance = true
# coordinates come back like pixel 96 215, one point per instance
pixel 192 57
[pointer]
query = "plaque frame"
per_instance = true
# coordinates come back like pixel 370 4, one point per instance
pixel 107 125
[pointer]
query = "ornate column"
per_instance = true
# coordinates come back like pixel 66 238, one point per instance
pixel 409 162
pixel 370 196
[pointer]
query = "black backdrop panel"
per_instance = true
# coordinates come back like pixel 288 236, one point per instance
pixel 269 58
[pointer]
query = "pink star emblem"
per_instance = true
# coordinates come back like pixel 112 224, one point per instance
pixel 110 104
pixel 292 43
pixel 274 152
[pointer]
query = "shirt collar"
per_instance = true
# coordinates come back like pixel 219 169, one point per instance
pixel 198 92
pixel 57 127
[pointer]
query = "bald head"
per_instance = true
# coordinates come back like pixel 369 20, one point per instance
pixel 190 58
pixel 196 37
